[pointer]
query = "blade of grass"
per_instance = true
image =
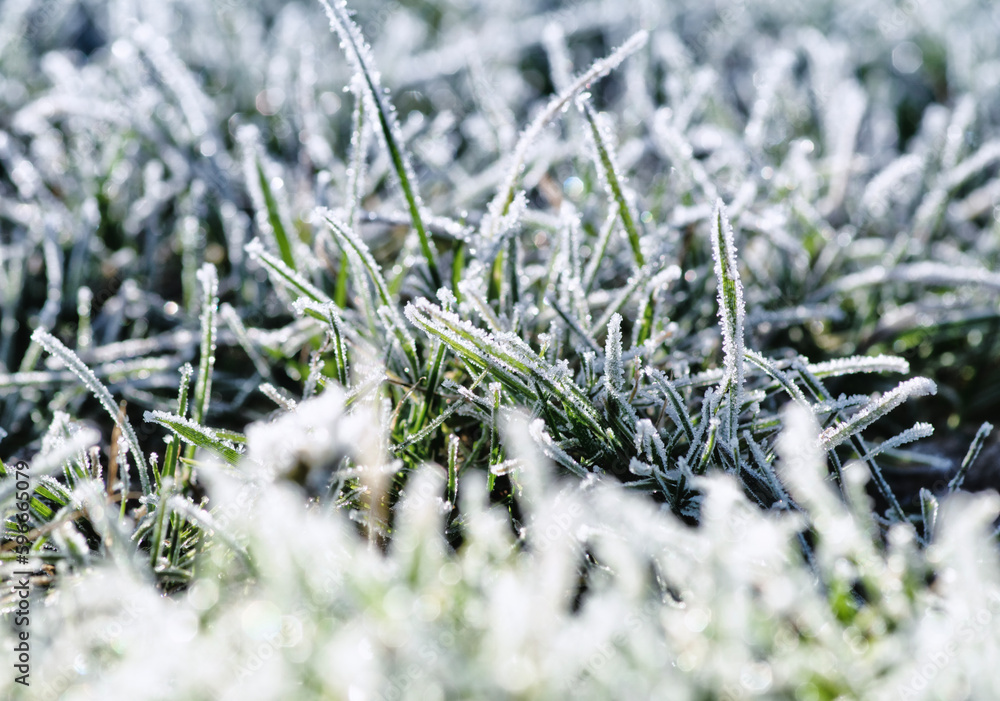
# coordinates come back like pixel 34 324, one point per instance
pixel 359 55
pixel 609 170
pixel 282 274
pixel 209 280
pixel 970 457
pixel 354 246
pixel 500 204
pixel 55 347
pixel 731 316
pixel 877 408
pixel 269 217
pixel 196 435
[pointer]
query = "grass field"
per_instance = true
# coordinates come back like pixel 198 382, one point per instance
pixel 475 350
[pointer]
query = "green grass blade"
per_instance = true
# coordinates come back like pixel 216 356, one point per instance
pixel 970 457
pixel 55 347
pixel 270 218
pixel 521 371
pixel 335 328
pixel 359 56
pixel 284 275
pixel 173 446
pixel 354 246
pixel 500 204
pixel 196 435
pixel 877 408
pixel 609 170
pixel 209 280
pixel 731 317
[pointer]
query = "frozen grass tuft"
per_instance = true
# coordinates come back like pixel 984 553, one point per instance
pixel 458 378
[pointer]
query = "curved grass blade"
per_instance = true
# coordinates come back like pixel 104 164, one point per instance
pixel 772 371
pixel 55 347
pixel 354 246
pixel 815 386
pixel 510 360
pixel 843 430
pixel 337 337
pixel 914 433
pixel 284 275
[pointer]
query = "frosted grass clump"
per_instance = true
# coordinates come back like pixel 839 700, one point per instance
pixel 759 452
pixel 421 620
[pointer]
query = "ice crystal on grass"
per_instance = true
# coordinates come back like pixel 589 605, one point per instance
pixel 614 372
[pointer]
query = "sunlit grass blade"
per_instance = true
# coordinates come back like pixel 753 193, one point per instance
pixel 859 364
pixel 505 195
pixel 284 275
pixel 512 362
pixel 329 314
pixel 355 247
pixel 782 378
pixel 819 391
pixel 173 446
pixel 359 55
pixel 843 430
pixel 209 280
pixel 914 433
pixel 270 218
pixel 731 316
pixel 54 346
pixel 196 435
pixel 609 170
pixel 614 371
pixel 452 490
pixel 928 513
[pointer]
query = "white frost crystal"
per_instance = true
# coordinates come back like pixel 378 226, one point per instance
pixel 317 431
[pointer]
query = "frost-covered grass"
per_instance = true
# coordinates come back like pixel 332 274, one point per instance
pixel 542 352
